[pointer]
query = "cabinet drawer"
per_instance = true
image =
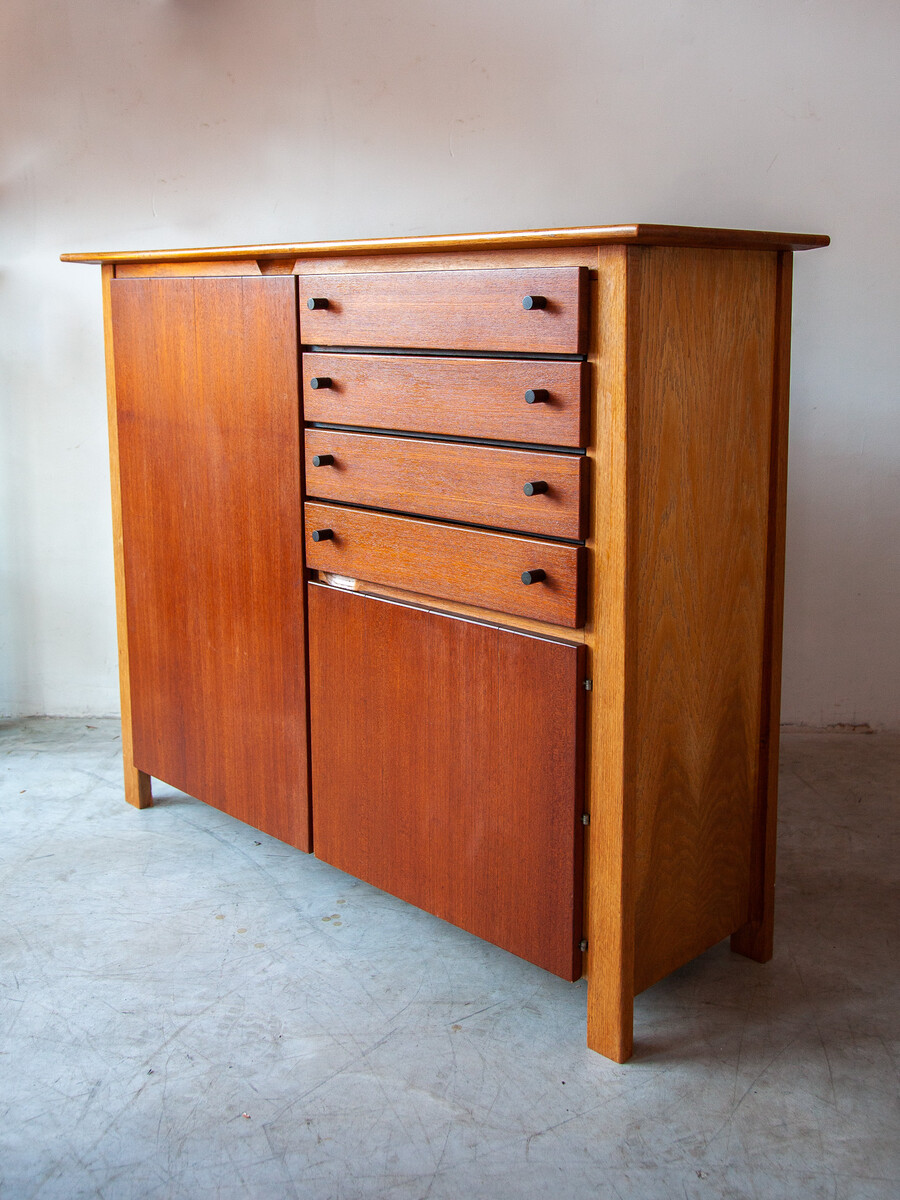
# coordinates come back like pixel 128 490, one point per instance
pixel 448 310
pixel 466 565
pixel 479 484
pixel 468 397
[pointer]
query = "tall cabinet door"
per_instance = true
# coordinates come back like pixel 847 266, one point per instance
pixel 446 760
pixel 208 429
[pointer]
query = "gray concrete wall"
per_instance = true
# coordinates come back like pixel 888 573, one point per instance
pixel 190 122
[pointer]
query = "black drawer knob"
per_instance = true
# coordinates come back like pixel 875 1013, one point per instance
pixel 320 381
pixel 530 302
pixel 326 535
pixel 532 489
pixel 534 576
pixel 537 396
pixel 323 460
pixel 316 302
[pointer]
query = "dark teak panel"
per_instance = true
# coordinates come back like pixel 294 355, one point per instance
pixel 447 768
pixel 208 425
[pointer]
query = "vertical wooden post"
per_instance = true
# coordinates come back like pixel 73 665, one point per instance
pixel 755 938
pixel 137 783
pixel 609 849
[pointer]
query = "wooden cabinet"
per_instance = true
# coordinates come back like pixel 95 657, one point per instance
pixel 542 478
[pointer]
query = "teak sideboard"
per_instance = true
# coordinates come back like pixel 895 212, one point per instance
pixel 459 561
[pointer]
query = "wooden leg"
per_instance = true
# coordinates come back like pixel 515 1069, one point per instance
pixel 610 1015
pixel 137 788
pixel 756 937
pixel 610 913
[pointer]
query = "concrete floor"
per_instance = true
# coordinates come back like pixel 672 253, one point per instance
pixel 191 1009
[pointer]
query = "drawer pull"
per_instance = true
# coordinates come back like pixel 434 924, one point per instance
pixel 326 535
pixel 323 460
pixel 316 302
pixel 532 576
pixel 537 396
pixel 320 381
pixel 530 302
pixel 531 489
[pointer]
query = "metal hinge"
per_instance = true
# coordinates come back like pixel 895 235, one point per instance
pixel 585 818
pixel 582 945
pixel 589 685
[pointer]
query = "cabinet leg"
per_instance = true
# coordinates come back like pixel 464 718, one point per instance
pixel 610 1015
pixel 137 788
pixel 754 940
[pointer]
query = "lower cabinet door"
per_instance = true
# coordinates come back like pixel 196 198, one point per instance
pixel 447 768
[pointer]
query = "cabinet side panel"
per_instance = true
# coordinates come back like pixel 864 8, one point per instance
pixel 208 420
pixel 702 383
pixel 446 760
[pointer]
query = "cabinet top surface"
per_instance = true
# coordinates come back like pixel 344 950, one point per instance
pixel 647 235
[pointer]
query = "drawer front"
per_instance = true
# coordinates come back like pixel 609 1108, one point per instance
pixel 466 397
pixel 466 565
pixel 448 310
pixel 479 484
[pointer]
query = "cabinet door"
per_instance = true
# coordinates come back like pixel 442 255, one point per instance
pixel 446 768
pixel 208 425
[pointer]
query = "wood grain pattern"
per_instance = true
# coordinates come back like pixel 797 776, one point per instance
pixel 446 762
pixel 755 938
pixel 462 397
pixel 468 565
pixel 138 790
pixel 700 374
pixel 611 745
pixel 206 380
pixel 459 482
pixel 434 310
pixel 584 235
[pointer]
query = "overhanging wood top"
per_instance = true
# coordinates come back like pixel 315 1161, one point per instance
pixel 642 235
